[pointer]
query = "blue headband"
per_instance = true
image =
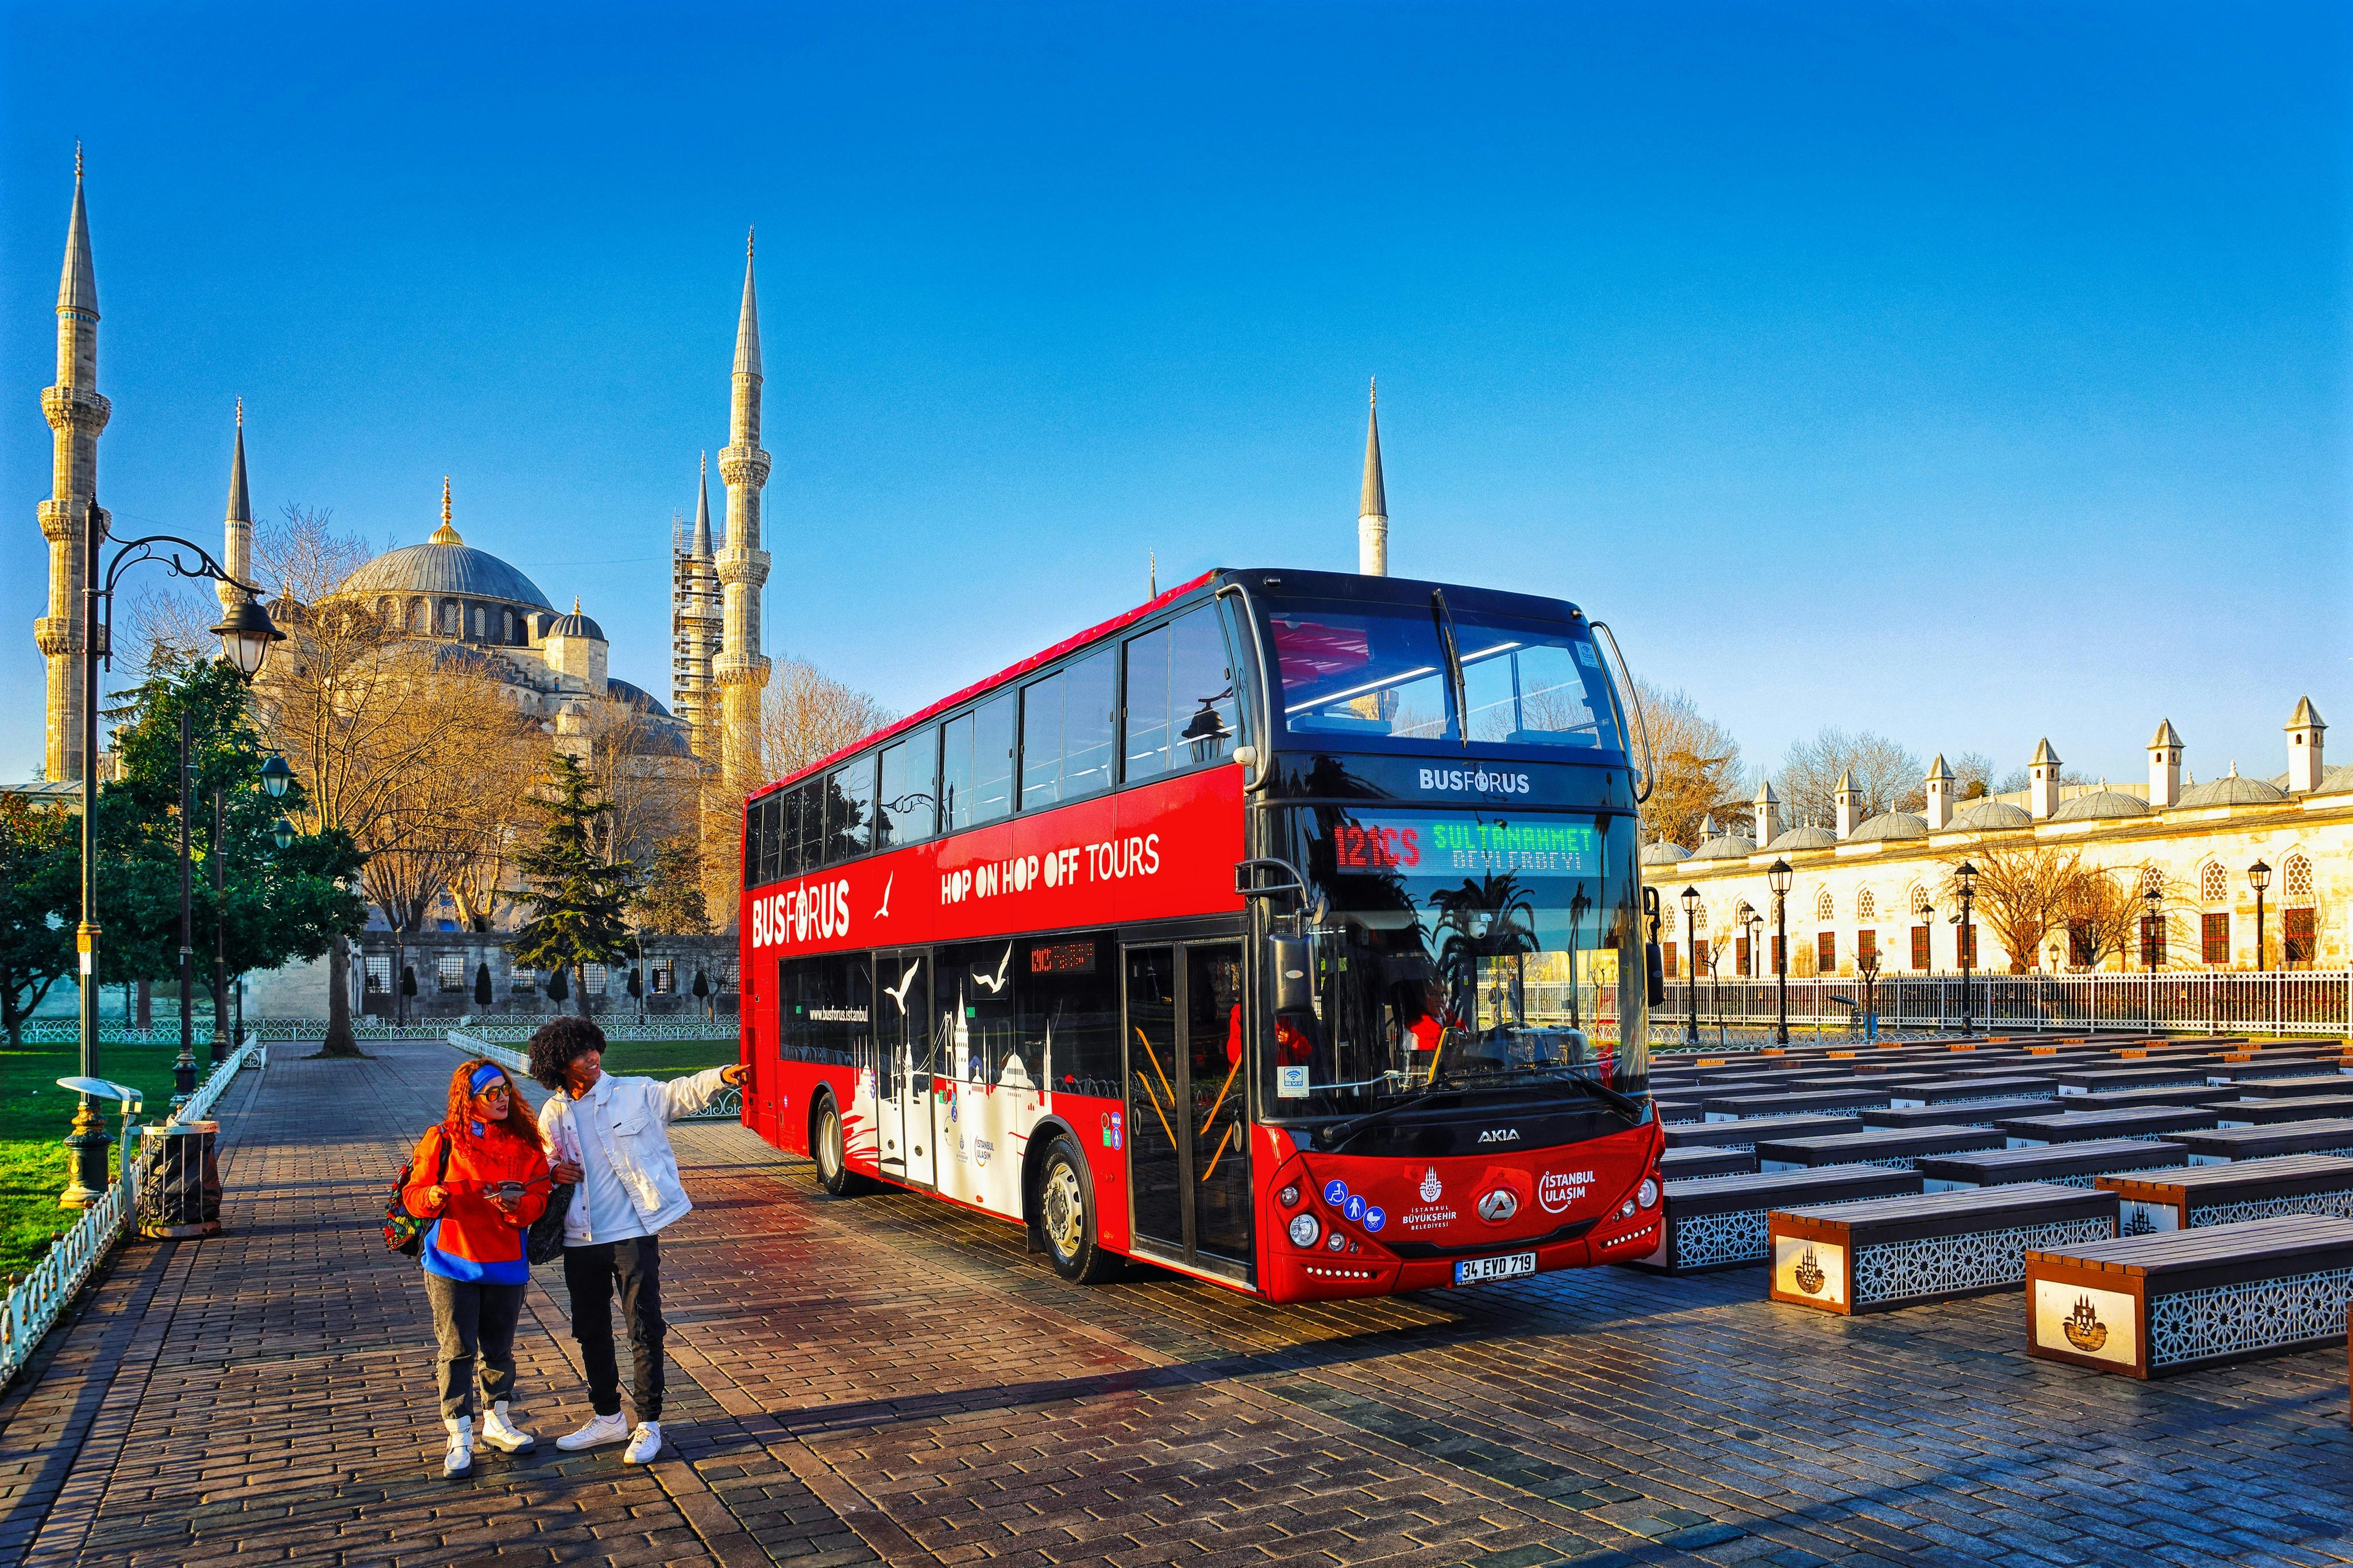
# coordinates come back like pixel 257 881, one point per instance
pixel 484 1075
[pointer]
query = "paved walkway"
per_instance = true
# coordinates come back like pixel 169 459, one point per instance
pixel 885 1379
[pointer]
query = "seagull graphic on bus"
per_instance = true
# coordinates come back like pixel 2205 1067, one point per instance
pixel 996 985
pixel 897 993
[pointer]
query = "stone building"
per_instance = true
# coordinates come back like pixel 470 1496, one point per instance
pixel 1879 887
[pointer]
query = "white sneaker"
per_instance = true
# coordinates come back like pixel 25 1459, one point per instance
pixel 497 1429
pixel 644 1444
pixel 600 1430
pixel 460 1460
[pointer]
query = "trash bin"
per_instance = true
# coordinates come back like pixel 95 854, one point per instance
pixel 179 1196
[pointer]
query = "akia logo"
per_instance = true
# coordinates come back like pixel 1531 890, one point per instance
pixel 1500 1135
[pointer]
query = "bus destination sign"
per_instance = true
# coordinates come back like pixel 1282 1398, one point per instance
pixel 1445 844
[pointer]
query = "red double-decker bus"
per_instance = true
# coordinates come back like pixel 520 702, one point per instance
pixel 1286 931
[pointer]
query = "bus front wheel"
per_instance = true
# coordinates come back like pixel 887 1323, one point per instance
pixel 833 1172
pixel 1065 1210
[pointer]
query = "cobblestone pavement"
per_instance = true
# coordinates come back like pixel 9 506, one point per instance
pixel 884 1378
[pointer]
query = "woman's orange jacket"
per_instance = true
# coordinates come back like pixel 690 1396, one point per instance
pixel 471 1238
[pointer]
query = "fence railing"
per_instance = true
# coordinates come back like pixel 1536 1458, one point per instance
pixel 727 1106
pixel 618 1027
pixel 34 1301
pixel 2279 1002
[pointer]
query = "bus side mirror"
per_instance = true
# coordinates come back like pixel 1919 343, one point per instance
pixel 1294 981
pixel 1655 975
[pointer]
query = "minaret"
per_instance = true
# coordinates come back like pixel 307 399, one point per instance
pixel 75 414
pixel 237 532
pixel 742 670
pixel 1372 509
pixel 701 630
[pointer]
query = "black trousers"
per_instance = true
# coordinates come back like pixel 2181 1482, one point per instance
pixel 473 1322
pixel 593 1274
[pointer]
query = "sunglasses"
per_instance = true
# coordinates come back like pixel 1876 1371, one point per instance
pixel 496 1091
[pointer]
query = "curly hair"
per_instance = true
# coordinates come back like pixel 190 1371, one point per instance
pixel 520 1122
pixel 559 1040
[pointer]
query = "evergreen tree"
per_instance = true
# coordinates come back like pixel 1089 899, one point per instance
pixel 671 904
pixel 40 902
pixel 580 903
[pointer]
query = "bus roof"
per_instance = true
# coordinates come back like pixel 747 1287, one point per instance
pixel 1001 678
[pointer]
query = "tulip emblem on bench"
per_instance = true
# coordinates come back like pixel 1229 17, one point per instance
pixel 2083 1327
pixel 1808 1274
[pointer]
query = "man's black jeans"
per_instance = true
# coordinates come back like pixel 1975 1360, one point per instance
pixel 592 1274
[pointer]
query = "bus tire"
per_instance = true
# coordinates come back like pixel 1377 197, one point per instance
pixel 833 1172
pixel 1064 1206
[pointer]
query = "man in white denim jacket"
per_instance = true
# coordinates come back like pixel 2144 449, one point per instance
pixel 610 1137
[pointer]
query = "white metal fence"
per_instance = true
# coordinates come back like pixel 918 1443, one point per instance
pixel 34 1301
pixel 2277 1001
pixel 618 1026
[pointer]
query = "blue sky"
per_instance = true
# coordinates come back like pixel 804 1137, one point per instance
pixel 1970 373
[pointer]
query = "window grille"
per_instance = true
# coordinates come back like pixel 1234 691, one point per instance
pixel 453 971
pixel 379 976
pixel 2213 884
pixel 2295 878
pixel 1824 909
pixel 1865 905
pixel 2214 937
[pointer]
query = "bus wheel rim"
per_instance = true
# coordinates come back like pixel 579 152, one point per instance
pixel 829 1134
pixel 1064 1211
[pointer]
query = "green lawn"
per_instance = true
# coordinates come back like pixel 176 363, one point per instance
pixel 669 1059
pixel 35 1115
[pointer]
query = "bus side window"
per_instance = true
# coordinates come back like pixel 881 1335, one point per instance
pixel 808 829
pixel 1068 1013
pixel 1147 705
pixel 903 814
pixel 992 759
pixel 956 774
pixel 849 810
pixel 1201 689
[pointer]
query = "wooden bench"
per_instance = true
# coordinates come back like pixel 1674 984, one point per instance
pixel 2270 1068
pixel 2133 1099
pixel 2221 1145
pixel 2002 1085
pixel 1719 1223
pixel 2082 1126
pixel 1963 1113
pixel 2068 1164
pixel 2299 1088
pixel 1696 1161
pixel 1743 1132
pixel 1894 1147
pixel 1739 1107
pixel 1884 1253
pixel 2195 1196
pixel 2253 1113
pixel 2147 1306
pixel 2091 1080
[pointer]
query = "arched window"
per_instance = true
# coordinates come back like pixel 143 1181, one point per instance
pixel 2295 878
pixel 2152 879
pixel 2213 884
pixel 1824 908
pixel 1917 900
pixel 508 625
pixel 1865 907
pixel 1699 919
pixel 417 613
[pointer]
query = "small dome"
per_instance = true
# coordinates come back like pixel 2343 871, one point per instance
pixel 575 625
pixel 1990 817
pixel 2338 779
pixel 1803 838
pixel 637 696
pixel 2102 803
pixel 2230 790
pixel 1730 847
pixel 1889 824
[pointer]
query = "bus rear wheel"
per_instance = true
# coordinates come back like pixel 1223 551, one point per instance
pixel 1065 1210
pixel 833 1172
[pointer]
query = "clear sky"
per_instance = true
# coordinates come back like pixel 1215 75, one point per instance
pixel 1966 372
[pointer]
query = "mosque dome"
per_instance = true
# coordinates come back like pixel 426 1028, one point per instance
pixel 2233 790
pixel 576 625
pixel 445 566
pixel 1889 824
pixel 1730 847
pixel 638 696
pixel 2105 803
pixel 1803 838
pixel 1663 853
pixel 1991 816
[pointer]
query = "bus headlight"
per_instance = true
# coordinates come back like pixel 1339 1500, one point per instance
pixel 1305 1229
pixel 1337 1243
pixel 1647 1193
pixel 1289 1196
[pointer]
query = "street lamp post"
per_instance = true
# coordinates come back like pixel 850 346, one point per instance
pixel 2153 929
pixel 1777 876
pixel 1691 951
pixel 2259 877
pixel 1869 966
pixel 1965 881
pixel 184 1070
pixel 246 635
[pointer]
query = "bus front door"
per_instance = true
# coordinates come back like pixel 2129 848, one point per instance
pixel 1189 1146
pixel 903 1028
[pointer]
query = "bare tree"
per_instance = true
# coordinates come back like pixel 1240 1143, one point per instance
pixel 2101 909
pixel 1696 765
pixel 1972 775
pixel 1889 776
pixel 651 788
pixel 300 557
pixel 2021 892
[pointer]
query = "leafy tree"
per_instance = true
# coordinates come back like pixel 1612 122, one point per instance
pixel 580 903
pixel 40 863
pixel 277 905
pixel 1695 763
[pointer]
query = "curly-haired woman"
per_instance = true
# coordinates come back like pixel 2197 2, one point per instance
pixel 611 1136
pixel 480 1175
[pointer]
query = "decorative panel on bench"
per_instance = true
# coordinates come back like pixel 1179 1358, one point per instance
pixel 1743 1132
pixel 2149 1305
pixel 1964 1113
pixel 2326 1135
pixel 1719 1223
pixel 2068 1164
pixel 2252 1112
pixel 2199 1196
pixel 2082 1126
pixel 1896 1148
pixel 1885 1253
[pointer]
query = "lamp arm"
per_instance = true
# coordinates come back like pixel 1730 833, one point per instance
pixel 165 547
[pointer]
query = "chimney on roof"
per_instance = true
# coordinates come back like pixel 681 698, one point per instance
pixel 2042 782
pixel 1769 815
pixel 1940 794
pixel 2304 731
pixel 2164 767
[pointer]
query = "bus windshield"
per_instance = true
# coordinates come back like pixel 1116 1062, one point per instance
pixel 1381 672
pixel 1458 948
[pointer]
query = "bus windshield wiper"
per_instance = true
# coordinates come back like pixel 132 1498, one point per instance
pixel 1630 1110
pixel 1333 1135
pixel 1454 678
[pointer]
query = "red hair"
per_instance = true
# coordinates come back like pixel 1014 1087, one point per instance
pixel 519 1123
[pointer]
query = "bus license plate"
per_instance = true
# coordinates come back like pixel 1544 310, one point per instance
pixel 1479 1270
